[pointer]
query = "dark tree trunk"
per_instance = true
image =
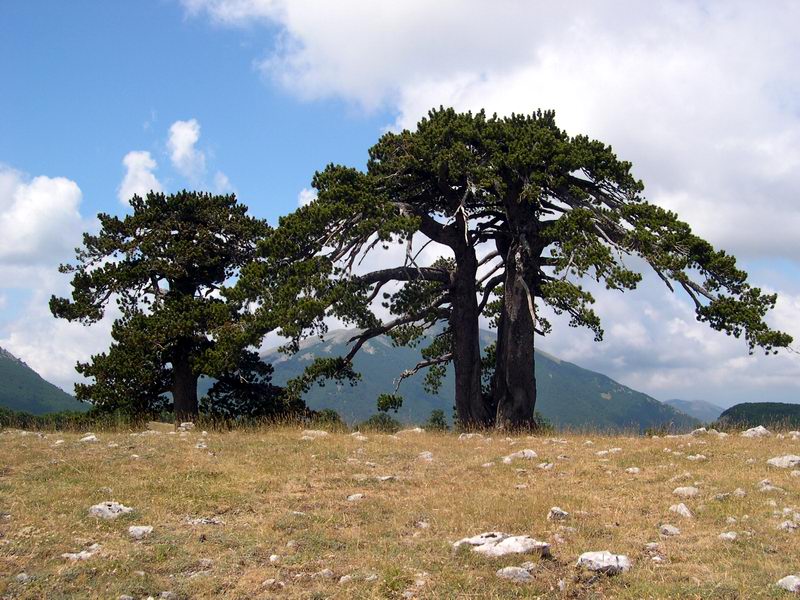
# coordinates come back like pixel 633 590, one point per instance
pixel 471 409
pixel 184 384
pixel 514 385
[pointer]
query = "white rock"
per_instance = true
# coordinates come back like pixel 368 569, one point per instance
pixel 414 430
pixel 345 579
pixel 23 578
pixel 201 445
pixel 515 574
pixel 83 554
pixel 788 461
pixel 109 510
pixel 89 437
pixel 557 514
pixel 273 584
pixel 495 543
pixel 470 436
pixel 669 530
pixel 766 486
pixel 686 492
pixel 58 443
pixel 204 521
pixel 681 509
pixel 526 454
pixel 696 457
pixel 701 431
pixel 739 493
pixel 633 470
pixel 756 432
pixel 788 526
pixel 426 456
pixel 187 426
pixel 728 536
pixel 790 583
pixel 139 532
pixel 314 433
pixel 383 478
pixel 355 497
pixel 604 562
pixel 546 466
pixel 588 443
pixel 274 558
pixel 487 465
pixel 601 453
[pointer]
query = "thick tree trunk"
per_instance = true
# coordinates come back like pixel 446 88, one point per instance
pixel 184 384
pixel 514 384
pixel 471 408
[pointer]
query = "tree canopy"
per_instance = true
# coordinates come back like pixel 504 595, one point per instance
pixel 524 215
pixel 164 266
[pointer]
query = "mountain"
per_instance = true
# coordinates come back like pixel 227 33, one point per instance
pixel 568 395
pixel 22 389
pixel 699 409
pixel 753 414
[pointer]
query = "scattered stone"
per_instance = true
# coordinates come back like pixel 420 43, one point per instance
pixel 427 456
pixel 686 492
pixel 790 583
pixel 730 520
pixel 526 454
pixel 125 597
pixel 201 445
pixel 765 486
pixel 324 574
pixel 345 579
pixel 58 443
pixel 273 584
pixel 487 465
pixel 728 536
pixel 701 431
pixel 23 578
pixel 167 595
pixel 696 457
pixel 604 562
pixel 601 453
pixel 109 510
pixel 681 509
pixel 633 470
pixel 681 477
pixel 355 497
pixel 273 558
pixel 470 436
pixel 588 443
pixel 204 521
pixel 383 478
pixel 756 432
pixel 495 543
pixel 139 532
pixel 83 554
pixel 89 437
pixel 785 462
pixel 669 530
pixel 414 430
pixel 515 574
pixel 788 526
pixel 186 426
pixel 312 434
pixel 739 493
pixel 546 466
pixel 557 514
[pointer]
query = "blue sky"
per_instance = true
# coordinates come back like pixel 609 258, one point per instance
pixel 100 98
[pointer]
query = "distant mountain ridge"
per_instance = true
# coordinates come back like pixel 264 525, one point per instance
pixel 699 409
pixel 23 389
pixel 568 395
pixel 769 414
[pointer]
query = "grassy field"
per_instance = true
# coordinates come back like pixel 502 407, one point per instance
pixel 285 516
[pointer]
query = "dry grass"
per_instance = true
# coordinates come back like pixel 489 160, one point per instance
pixel 270 487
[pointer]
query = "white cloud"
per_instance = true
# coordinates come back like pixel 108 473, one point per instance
pixel 39 220
pixel 306 197
pixel 186 158
pixel 139 178
pixel 222 185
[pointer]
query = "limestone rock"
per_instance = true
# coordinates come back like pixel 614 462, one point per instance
pixel 515 574
pixel 686 492
pixel 109 510
pixel 633 470
pixel 756 432
pixel 139 532
pixel 604 562
pixel 89 437
pixel 355 497
pixel 681 509
pixel 557 514
pixel 83 554
pixel 728 536
pixel 669 530
pixel 526 454
pixel 788 461
pixel 495 543
pixel 790 583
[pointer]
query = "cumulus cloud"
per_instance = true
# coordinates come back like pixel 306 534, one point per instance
pixel 186 158
pixel 222 185
pixel 139 178
pixel 40 220
pixel 306 197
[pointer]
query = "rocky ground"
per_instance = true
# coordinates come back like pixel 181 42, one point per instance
pixel 287 513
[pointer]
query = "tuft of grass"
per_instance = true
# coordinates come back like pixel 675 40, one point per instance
pixel 279 495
